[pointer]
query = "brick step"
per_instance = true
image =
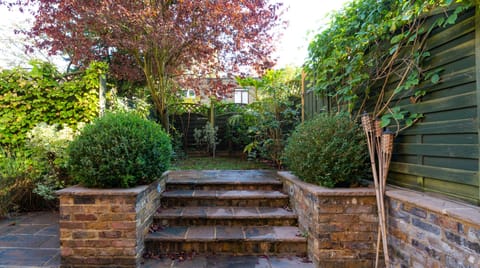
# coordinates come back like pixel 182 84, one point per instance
pixel 224 180
pixel 224 186
pixel 227 216
pixel 240 198
pixel 252 240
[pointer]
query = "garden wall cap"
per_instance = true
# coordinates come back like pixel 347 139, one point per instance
pixel 458 210
pixel 323 191
pixel 80 190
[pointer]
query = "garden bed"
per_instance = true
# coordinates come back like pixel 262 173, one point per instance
pixel 341 223
pixel 106 227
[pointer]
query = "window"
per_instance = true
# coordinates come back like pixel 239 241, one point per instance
pixel 241 96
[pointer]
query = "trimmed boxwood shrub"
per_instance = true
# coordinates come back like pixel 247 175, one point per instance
pixel 119 150
pixel 329 150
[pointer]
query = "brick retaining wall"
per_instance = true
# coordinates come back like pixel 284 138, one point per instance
pixel 423 230
pixel 426 231
pixel 341 223
pixel 106 227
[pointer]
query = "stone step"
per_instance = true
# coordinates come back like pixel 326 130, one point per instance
pixel 237 198
pixel 224 180
pixel 226 216
pixel 241 240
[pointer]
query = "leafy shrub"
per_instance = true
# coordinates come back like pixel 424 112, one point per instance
pixel 48 145
pixel 207 137
pixel 17 182
pixel 328 150
pixel 271 123
pixel 119 150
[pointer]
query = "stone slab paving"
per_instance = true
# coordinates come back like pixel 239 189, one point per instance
pixel 248 233
pixel 220 261
pixel 30 240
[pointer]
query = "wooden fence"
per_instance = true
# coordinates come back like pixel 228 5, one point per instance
pixel 440 154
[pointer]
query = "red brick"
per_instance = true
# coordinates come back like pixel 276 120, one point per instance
pixel 110 234
pixel 129 225
pixel 123 243
pixel 71 225
pixel 97 225
pixel 66 251
pixel 331 209
pixel 84 234
pixel 85 217
pixel 122 208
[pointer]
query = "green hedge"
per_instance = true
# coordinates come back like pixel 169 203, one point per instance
pixel 119 150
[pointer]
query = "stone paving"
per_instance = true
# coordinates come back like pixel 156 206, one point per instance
pixel 30 240
pixel 218 261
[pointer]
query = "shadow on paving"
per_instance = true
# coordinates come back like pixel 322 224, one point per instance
pixel 30 240
pixel 220 261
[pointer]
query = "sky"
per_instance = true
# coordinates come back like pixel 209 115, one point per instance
pixel 305 17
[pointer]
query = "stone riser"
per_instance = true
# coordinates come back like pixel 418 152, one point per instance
pixel 214 187
pixel 186 202
pixel 226 222
pixel 229 247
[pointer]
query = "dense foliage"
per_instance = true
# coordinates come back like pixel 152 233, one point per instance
pixel 272 117
pixel 30 174
pixel 119 150
pixel 42 94
pixel 372 53
pixel 164 43
pixel 328 150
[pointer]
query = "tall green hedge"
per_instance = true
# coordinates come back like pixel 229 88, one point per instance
pixel 42 94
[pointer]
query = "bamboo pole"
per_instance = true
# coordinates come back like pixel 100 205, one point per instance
pixel 374 134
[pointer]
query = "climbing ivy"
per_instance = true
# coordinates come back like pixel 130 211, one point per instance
pixel 369 44
pixel 42 94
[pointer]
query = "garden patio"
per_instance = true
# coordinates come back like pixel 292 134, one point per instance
pixel 366 156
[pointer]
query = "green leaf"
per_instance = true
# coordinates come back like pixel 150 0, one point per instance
pixel 385 121
pixel 435 78
pixel 452 18
pixel 397 38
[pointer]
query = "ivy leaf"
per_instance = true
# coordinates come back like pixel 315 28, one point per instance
pixel 435 78
pixel 452 18
pixel 397 38
pixel 385 121
pixel 393 49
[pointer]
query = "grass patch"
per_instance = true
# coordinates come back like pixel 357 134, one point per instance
pixel 217 163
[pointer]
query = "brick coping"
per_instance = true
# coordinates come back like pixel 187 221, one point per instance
pixel 84 191
pixel 323 191
pixel 80 190
pixel 460 211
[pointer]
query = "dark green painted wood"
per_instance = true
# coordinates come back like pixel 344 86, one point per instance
pixel 445 127
pixel 455 190
pixel 443 104
pixel 460 114
pixel 471 138
pixel 445 150
pixel 440 154
pixel 477 60
pixel 455 163
pixel 445 174
pixel 460 28
pixel 446 54
pixel 450 91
